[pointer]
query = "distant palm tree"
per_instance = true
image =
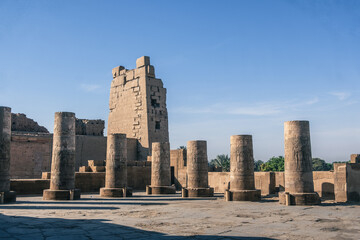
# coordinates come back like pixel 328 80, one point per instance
pixel 222 161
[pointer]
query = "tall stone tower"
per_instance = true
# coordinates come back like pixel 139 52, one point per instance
pixel 138 106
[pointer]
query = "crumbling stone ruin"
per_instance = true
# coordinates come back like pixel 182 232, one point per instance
pixel 138 106
pixel 90 127
pixel 20 123
pixel 31 146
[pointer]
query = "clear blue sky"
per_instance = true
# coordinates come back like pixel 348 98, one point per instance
pixel 230 67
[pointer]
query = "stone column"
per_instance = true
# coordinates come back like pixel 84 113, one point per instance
pixel 197 170
pixel 242 183
pixel 298 165
pixel 116 167
pixel 6 195
pixel 62 183
pixel 160 170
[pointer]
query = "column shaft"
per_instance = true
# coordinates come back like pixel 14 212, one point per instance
pixel 116 161
pixel 160 164
pixel 197 164
pixel 63 156
pixel 241 163
pixel 5 138
pixel 298 160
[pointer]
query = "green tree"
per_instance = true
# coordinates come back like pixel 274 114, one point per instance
pixel 275 164
pixel 222 161
pixel 320 165
pixel 257 165
pixel 182 147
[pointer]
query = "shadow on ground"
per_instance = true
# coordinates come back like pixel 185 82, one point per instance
pixel 15 227
pixel 95 202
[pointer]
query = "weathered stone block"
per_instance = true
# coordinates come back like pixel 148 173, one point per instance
pixel 46 175
pixel 93 163
pixel 355 158
pixel 97 168
pixel 116 71
pixel 151 71
pixel 85 169
pixel 142 61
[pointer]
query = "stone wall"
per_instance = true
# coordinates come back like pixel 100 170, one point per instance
pixel 138 106
pixel 178 162
pixel 324 183
pixel 132 151
pixel 89 127
pixel 265 181
pixel 29 186
pixel 353 181
pixel 89 148
pixel 347 182
pixel 30 155
pixel 279 181
pixel 19 122
pixel 138 176
pixel 219 181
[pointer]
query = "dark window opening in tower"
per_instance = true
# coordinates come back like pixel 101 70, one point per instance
pixel 157 125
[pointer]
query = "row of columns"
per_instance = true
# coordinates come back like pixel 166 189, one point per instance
pixel 299 188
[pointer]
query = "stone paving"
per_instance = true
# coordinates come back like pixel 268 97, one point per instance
pixel 171 217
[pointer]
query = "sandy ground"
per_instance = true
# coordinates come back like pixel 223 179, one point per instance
pixel 171 217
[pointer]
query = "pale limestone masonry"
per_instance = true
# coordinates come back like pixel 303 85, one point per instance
pixel 89 127
pixel 20 123
pixel 138 106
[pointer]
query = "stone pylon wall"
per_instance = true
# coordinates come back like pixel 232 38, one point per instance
pixel 138 106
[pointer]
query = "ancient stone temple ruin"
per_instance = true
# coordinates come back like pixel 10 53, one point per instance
pixel 136 155
pixel 138 106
